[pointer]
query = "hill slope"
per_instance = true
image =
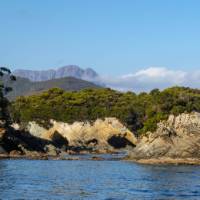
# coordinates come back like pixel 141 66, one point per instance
pixel 24 87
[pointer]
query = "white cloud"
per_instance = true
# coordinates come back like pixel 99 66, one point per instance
pixel 153 77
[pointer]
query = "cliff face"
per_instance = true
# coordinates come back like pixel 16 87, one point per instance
pixel 102 135
pixel 178 137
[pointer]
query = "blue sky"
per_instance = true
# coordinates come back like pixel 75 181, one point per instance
pixel 114 37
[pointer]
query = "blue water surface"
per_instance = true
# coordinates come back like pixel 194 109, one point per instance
pixel 106 180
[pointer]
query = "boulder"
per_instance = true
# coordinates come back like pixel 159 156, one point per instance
pixel 15 153
pixel 178 137
pixel 51 150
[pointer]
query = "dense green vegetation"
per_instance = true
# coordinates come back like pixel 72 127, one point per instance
pixel 140 112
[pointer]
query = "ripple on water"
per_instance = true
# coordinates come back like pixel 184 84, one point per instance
pixel 106 180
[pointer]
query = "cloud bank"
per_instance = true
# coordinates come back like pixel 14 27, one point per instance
pixel 153 77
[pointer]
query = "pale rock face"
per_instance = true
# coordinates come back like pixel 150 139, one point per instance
pixel 178 137
pixel 16 126
pixel 35 129
pixel 78 134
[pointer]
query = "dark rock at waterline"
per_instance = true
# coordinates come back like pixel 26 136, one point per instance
pixel 15 142
pixel 59 141
pixel 119 142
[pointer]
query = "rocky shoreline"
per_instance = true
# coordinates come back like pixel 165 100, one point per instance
pixel 89 156
pixel 98 157
pixel 63 141
pixel 166 161
pixel 176 141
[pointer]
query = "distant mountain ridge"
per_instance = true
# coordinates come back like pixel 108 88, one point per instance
pixel 65 71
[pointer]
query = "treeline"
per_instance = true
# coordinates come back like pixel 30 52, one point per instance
pixel 140 112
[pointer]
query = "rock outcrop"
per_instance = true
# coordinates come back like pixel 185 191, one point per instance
pixel 102 135
pixel 16 143
pixel 23 142
pixel 36 142
pixel 176 138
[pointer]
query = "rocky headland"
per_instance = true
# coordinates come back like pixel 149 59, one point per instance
pixel 176 140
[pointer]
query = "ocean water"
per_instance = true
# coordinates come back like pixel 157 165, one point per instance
pixel 106 180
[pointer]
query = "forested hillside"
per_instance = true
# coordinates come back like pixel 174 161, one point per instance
pixel 140 112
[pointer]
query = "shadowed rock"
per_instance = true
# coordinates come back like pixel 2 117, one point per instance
pixel 119 142
pixel 58 140
pixel 23 142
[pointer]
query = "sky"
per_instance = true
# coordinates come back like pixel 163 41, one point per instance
pixel 120 39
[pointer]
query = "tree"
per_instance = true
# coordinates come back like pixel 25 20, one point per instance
pixel 4 115
pixel 140 112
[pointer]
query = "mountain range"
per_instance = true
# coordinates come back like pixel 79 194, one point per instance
pixel 66 71
pixel 68 78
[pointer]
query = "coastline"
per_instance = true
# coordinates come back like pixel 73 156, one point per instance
pixel 77 156
pixel 166 161
pixel 101 157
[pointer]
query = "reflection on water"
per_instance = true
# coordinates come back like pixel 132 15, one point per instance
pixel 56 180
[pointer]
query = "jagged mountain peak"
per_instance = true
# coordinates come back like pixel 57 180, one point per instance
pixel 61 72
